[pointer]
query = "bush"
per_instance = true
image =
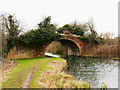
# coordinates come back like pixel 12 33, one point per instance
pixel 73 30
pixel 65 27
pixel 83 38
pixel 78 31
pixel 10 43
pixel 37 37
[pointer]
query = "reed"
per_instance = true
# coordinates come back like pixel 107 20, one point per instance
pixel 107 49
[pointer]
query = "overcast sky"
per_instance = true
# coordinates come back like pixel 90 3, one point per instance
pixel 30 12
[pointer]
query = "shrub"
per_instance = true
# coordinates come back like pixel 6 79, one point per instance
pixel 37 37
pixel 83 38
pixel 78 31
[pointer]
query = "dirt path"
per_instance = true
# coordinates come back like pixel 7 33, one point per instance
pixel 57 65
pixel 30 75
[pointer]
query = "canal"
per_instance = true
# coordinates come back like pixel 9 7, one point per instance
pixel 94 71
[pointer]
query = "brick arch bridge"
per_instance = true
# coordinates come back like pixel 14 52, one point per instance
pixel 73 44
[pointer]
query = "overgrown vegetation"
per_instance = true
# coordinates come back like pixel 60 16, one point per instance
pixel 109 48
pixel 46 33
pixel 37 37
pixel 86 31
pixel 72 29
pixel 41 36
pixel 101 45
pixel 61 80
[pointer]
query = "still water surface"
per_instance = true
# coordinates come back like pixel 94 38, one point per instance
pixel 94 70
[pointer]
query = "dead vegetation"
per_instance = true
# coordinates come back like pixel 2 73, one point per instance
pixel 57 78
pixel 8 64
pixel 108 49
pixel 57 67
pixel 7 67
pixel 61 80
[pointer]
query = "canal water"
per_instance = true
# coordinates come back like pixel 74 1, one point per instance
pixel 94 71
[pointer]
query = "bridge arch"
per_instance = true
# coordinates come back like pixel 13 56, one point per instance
pixel 71 44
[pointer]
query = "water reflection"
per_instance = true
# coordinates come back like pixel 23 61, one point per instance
pixel 94 70
pixel 49 54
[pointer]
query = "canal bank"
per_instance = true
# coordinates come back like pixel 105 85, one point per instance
pixel 58 78
pixel 94 71
pixel 44 72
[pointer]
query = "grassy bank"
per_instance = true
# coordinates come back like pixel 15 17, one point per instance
pixel 16 77
pixel 18 74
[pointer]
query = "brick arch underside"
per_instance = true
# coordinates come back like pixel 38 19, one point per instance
pixel 75 47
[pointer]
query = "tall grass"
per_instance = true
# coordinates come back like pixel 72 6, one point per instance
pixel 103 51
pixel 108 49
pixel 61 80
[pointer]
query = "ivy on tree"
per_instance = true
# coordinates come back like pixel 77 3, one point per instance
pixel 12 27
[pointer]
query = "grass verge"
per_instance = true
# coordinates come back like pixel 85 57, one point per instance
pixel 19 74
